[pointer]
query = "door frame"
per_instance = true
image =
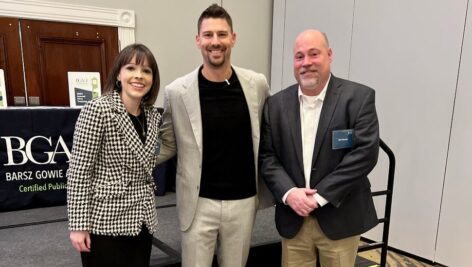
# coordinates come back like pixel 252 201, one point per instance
pixel 123 19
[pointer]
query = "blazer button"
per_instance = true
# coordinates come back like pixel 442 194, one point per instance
pixel 198 187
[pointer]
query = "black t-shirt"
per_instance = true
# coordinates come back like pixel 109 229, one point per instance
pixel 228 170
pixel 140 125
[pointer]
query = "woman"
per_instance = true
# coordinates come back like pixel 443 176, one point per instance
pixel 110 189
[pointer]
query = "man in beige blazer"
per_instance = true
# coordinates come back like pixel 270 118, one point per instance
pixel 212 121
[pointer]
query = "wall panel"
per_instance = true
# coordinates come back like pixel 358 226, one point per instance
pixel 455 233
pixel 411 58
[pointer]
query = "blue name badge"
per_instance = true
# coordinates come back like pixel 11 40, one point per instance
pixel 342 139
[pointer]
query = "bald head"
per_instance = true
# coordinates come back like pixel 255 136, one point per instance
pixel 312 61
pixel 312 34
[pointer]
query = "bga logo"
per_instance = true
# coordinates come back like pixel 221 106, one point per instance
pixel 81 81
pixel 21 150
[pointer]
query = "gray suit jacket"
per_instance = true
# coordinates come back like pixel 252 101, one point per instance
pixel 181 133
pixel 339 175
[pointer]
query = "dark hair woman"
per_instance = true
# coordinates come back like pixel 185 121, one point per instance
pixel 110 189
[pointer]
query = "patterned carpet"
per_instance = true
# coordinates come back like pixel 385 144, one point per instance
pixel 393 260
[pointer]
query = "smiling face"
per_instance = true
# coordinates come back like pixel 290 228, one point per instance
pixel 136 80
pixel 311 61
pixel 215 41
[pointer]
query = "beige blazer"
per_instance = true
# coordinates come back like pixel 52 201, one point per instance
pixel 181 133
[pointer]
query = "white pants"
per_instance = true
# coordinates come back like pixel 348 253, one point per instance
pixel 226 222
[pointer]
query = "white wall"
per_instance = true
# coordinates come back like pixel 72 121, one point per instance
pixel 413 65
pixel 454 226
pixel 169 27
pixel 410 55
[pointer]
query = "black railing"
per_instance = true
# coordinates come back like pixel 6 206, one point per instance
pixel 388 208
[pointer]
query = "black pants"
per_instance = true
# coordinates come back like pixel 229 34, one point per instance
pixel 118 251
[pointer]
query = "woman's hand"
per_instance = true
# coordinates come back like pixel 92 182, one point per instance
pixel 80 240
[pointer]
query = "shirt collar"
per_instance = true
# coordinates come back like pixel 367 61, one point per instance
pixel 320 96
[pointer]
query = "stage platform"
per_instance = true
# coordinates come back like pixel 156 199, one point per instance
pixel 39 238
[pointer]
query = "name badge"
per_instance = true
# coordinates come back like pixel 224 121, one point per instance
pixel 342 139
pixel 157 150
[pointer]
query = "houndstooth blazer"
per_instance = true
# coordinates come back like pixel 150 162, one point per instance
pixel 110 187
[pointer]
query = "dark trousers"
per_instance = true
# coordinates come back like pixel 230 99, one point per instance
pixel 118 251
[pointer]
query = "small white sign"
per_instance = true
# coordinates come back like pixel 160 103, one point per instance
pixel 3 90
pixel 83 87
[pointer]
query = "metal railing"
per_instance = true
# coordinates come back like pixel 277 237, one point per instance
pixel 388 207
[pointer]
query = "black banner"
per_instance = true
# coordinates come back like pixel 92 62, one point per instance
pixel 35 147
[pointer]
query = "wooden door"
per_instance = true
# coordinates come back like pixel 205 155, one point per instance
pixel 51 49
pixel 10 59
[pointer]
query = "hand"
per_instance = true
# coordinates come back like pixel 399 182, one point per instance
pixel 80 240
pixel 301 200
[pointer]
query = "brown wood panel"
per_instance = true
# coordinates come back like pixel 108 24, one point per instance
pixel 51 49
pixel 55 62
pixel 10 58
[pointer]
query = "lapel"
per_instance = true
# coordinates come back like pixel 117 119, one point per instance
pixel 250 94
pixel 191 99
pixel 153 131
pixel 126 129
pixel 152 127
pixel 329 106
pixel 293 118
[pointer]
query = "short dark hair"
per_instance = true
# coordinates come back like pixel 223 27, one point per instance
pixel 142 53
pixel 215 12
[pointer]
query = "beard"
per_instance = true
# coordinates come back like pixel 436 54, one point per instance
pixel 310 83
pixel 216 62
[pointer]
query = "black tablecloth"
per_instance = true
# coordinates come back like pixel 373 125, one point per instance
pixel 35 147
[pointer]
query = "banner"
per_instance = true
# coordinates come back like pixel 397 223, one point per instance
pixel 35 148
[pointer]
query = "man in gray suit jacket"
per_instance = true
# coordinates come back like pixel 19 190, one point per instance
pixel 320 139
pixel 211 119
